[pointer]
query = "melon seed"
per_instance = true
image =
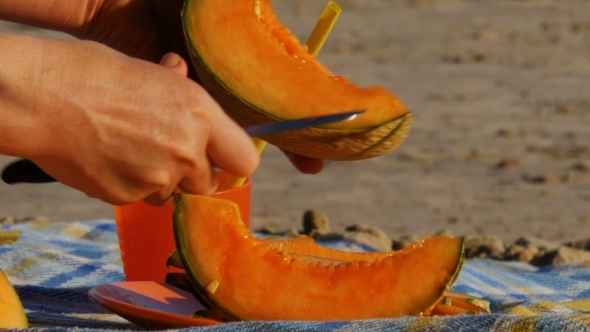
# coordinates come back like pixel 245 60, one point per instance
pixel 212 287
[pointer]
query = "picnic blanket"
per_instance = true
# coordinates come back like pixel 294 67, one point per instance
pixel 54 264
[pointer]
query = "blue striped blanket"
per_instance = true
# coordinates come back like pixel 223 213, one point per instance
pixel 54 264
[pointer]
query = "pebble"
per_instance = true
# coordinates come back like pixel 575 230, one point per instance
pixel 582 167
pixel 315 223
pixel 540 179
pixel 566 254
pixel 580 244
pixel 484 246
pixel 508 163
pixel 529 241
pixel 370 236
pixel 292 233
pixel 526 249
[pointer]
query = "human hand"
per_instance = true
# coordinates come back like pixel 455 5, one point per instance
pixel 304 164
pixel 150 29
pixel 123 130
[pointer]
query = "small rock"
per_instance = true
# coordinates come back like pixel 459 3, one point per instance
pixel 540 179
pixel 368 235
pixel 484 246
pixel 292 233
pixel 580 244
pixel 267 229
pixel 568 177
pixel 582 167
pixel 529 254
pixel 566 254
pixel 315 223
pixel 522 253
pixel 566 109
pixel 456 220
pixel 403 242
pixel 505 132
pixel 444 232
pixel 508 162
pixel 7 220
pixel 513 252
pixel 400 244
pixel 529 241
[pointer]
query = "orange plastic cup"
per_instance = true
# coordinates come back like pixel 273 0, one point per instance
pixel 146 239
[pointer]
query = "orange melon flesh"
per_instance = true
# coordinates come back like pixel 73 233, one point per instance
pixel 249 279
pixel 12 313
pixel 271 70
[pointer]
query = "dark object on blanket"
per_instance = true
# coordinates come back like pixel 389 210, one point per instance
pixel 25 171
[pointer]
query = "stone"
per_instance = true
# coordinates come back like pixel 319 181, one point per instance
pixel 400 244
pixel 267 229
pixel 582 167
pixel 484 246
pixel 456 220
pixel 315 223
pixel 566 254
pixel 444 232
pixel 580 244
pixel 370 236
pixel 508 162
pixel 529 241
pixel 292 233
pixel 540 179
pixel 529 254
pixel 7 220
pixel 513 252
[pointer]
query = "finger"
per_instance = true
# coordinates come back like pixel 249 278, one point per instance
pixel 175 62
pixel 158 199
pixel 204 184
pixel 229 147
pixel 304 164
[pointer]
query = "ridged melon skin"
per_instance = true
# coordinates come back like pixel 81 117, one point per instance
pixel 12 313
pixel 314 142
pixel 253 280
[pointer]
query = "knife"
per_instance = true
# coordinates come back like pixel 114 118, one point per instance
pixel 26 171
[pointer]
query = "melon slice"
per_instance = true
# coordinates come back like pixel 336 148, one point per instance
pixel 12 313
pixel 258 72
pixel 252 279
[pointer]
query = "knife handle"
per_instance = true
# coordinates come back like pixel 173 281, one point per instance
pixel 25 171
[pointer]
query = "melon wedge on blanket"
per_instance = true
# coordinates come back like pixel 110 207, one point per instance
pixel 258 72
pixel 12 313
pixel 249 278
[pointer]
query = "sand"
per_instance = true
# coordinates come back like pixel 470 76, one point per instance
pixel 500 144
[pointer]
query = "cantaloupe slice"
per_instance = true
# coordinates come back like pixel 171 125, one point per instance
pixel 258 72
pixel 252 279
pixel 12 313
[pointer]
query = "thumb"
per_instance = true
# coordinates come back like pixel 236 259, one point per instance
pixel 175 62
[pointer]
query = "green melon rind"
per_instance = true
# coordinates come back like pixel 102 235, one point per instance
pixel 179 217
pixel 315 142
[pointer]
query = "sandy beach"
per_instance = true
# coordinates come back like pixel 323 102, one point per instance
pixel 500 143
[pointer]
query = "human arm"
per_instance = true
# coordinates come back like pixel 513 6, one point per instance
pixel 117 128
pixel 146 29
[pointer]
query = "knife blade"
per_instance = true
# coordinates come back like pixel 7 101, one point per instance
pixel 26 171
pixel 314 121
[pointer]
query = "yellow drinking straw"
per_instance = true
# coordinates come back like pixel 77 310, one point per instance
pixel 314 44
